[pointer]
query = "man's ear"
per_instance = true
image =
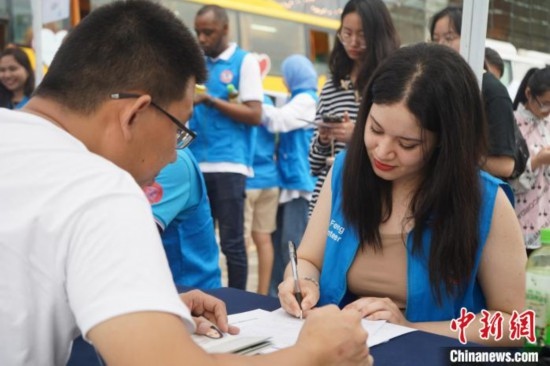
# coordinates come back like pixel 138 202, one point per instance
pixel 131 113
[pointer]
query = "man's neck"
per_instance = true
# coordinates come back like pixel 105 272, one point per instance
pixel 76 124
pixel 223 49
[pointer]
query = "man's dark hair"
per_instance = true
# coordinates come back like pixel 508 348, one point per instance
pixel 133 45
pixel 493 58
pixel 219 13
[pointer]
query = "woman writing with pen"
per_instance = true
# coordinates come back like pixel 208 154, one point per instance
pixel 407 228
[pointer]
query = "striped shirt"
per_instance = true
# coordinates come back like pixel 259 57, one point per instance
pixel 333 100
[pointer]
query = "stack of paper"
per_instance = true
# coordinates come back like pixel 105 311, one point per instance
pixel 263 332
pixel 283 329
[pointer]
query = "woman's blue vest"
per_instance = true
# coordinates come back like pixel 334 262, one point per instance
pixel 292 155
pixel 264 164
pixel 342 244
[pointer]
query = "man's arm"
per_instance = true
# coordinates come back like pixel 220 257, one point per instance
pixel 499 166
pixel 249 111
pixel 329 337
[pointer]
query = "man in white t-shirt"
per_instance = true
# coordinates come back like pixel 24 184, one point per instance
pixel 80 253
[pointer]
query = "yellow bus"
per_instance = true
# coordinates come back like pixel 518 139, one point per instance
pixel 261 26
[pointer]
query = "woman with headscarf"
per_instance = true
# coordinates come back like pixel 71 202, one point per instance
pixel 296 182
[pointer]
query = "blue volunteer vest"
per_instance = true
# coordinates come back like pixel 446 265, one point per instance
pixel 220 138
pixel 264 164
pixel 189 239
pixel 342 244
pixel 293 153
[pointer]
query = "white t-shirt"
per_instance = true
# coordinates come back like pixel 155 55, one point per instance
pixel 78 243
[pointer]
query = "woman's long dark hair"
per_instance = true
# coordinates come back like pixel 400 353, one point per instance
pixel 441 91
pixel 22 59
pixel 538 81
pixel 380 36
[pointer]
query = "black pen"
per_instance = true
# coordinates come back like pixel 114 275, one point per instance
pixel 294 265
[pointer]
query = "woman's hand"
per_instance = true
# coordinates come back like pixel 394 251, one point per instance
pixel 541 158
pixel 202 98
pixel 344 130
pixel 378 308
pixel 310 293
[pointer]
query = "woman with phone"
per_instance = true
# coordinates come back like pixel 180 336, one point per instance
pixel 365 38
pixel 295 181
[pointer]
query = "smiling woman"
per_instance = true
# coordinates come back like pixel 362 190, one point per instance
pixel 17 77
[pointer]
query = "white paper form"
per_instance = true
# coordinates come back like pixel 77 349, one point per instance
pixel 284 328
pixel 387 332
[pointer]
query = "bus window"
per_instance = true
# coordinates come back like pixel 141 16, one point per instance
pixel 186 12
pixel 79 11
pixel 506 77
pixel 319 50
pixel 275 37
pixel 97 3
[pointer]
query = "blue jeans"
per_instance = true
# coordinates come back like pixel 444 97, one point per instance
pixel 291 224
pixel 226 193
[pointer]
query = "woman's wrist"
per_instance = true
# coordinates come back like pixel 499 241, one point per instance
pixel 312 280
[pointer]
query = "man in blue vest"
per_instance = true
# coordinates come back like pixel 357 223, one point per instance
pixel 224 124
pixel 182 213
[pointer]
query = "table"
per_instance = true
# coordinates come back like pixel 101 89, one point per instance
pixel 412 349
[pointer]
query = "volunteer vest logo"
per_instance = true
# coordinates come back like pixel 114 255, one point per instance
pixel 226 76
pixel 335 231
pixel 153 192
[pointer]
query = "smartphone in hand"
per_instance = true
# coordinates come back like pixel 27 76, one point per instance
pixel 331 118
